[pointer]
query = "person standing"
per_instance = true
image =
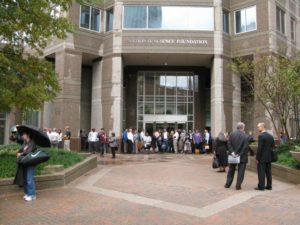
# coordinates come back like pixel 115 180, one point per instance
pixel 130 141
pixel 54 137
pixel 266 144
pixel 67 138
pixel 175 141
pixel 125 140
pixel 28 171
pixel 221 149
pixel 102 140
pixel 238 145
pixel 113 144
pixel 93 139
pixel 60 139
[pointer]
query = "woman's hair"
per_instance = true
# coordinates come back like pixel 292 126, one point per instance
pixel 221 136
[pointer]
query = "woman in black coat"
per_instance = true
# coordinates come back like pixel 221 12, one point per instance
pixel 221 149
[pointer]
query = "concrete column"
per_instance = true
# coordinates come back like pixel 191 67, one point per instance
pixel 96 113
pixel 217 97
pixel 66 107
pixel 112 93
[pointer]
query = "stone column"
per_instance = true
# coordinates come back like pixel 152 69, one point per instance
pixel 66 107
pixel 112 93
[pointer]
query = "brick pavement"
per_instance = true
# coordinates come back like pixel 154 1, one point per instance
pixel 156 189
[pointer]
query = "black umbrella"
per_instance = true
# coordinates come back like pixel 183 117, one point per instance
pixel 38 136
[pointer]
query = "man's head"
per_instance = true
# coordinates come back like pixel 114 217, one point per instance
pixel 261 127
pixel 240 126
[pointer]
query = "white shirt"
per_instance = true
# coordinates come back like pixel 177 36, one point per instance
pixel 130 136
pixel 54 137
pixel 142 135
pixel 175 136
pixel 166 135
pixel 207 137
pixel 93 136
pixel 147 139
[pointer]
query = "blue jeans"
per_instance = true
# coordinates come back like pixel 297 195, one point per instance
pixel 29 185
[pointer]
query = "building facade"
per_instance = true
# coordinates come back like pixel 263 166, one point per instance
pixel 163 64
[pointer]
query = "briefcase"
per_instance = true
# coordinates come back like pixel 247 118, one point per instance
pixel 233 159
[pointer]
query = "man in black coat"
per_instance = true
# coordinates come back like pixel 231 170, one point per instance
pixel 238 145
pixel 266 144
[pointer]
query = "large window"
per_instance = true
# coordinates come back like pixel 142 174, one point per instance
pixel 90 18
pixel 168 17
pixel 226 21
pixel 280 20
pixel 165 93
pixel 245 20
pixel 293 29
pixel 109 19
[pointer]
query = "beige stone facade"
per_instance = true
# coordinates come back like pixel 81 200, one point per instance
pixel 97 70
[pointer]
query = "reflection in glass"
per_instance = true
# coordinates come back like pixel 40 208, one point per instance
pixel 109 19
pixel 181 109
pixel 160 83
pixel 159 108
pixel 225 21
pixel 170 85
pixel 149 108
pixel 85 17
pixel 251 18
pixel 171 109
pixel 149 84
pixel 95 20
pixel 181 18
pixel 135 16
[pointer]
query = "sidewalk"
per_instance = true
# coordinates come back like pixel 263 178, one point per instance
pixel 156 189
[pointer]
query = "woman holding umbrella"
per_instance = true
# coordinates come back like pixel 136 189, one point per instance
pixel 28 171
pixel 32 136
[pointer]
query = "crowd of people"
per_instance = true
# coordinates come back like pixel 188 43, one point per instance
pixel 161 141
pixel 58 139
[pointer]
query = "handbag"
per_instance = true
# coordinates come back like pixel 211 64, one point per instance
pixel 215 163
pixel 33 158
pixel 274 156
pixel 233 159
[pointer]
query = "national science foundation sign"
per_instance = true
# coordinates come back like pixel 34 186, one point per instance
pixel 186 42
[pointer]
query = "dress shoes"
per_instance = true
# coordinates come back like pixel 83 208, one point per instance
pixel 238 188
pixel 226 186
pixel 258 189
pixel 268 188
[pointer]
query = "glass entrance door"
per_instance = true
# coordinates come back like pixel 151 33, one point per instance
pixel 151 127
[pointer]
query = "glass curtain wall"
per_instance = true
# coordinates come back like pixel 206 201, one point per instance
pixel 165 93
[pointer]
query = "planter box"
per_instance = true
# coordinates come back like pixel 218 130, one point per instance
pixel 282 172
pixel 52 180
pixel 296 155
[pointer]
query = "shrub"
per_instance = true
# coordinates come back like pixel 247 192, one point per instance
pixel 285 157
pixel 8 165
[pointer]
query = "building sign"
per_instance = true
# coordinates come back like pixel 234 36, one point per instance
pixel 167 41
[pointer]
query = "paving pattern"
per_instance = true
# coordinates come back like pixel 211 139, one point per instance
pixel 156 189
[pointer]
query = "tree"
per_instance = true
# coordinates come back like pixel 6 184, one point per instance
pixel 275 84
pixel 27 79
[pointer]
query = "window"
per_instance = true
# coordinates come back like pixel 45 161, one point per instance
pixel 245 20
pixel 169 17
pixel 135 16
pixel 225 21
pixel 280 20
pixel 109 19
pixel 90 18
pixel 293 29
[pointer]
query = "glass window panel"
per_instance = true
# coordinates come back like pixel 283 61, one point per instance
pixel 171 109
pixel 225 21
pixel 109 19
pixel 181 18
pixel 140 85
pixel 159 108
pixel 140 109
pixel 149 84
pixel 190 86
pixel 85 17
pixel 149 108
pixel 190 126
pixel 140 117
pixel 251 18
pixel 95 20
pixel 182 85
pixel 170 85
pixel 190 108
pixel 181 109
pixel 160 83
pixel 135 16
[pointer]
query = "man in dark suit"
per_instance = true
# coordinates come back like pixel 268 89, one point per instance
pixel 238 145
pixel 266 144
